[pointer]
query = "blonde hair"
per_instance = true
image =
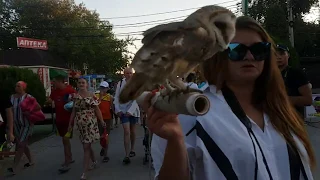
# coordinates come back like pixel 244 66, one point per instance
pixel 269 93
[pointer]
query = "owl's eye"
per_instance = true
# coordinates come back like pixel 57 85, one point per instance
pixel 203 50
pixel 220 25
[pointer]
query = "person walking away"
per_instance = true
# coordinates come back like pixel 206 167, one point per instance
pixel 60 96
pixel 7 120
pixel 22 127
pixel 129 115
pixel 105 106
pixel 85 114
pixel 296 81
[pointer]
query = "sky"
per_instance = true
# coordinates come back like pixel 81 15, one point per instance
pixel 112 10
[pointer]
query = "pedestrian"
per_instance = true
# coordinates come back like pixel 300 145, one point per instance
pixel 6 120
pixel 85 114
pixel 105 106
pixel 190 81
pixel 60 96
pixel 251 132
pixel 22 127
pixel 129 114
pixel 296 81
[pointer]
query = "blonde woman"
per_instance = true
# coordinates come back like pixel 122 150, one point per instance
pixel 251 131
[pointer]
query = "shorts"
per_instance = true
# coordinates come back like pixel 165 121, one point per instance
pixel 131 119
pixel 62 128
pixel 108 126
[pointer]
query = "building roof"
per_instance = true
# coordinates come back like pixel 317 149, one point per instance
pixel 31 57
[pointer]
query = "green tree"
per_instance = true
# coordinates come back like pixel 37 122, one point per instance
pixel 73 32
pixel 259 8
pixel 273 15
pixel 10 76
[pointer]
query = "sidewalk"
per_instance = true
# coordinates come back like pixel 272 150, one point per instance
pixel 48 155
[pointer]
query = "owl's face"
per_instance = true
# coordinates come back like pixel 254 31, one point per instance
pixel 219 24
pixel 222 23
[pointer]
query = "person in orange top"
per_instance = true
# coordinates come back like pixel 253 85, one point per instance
pixel 106 103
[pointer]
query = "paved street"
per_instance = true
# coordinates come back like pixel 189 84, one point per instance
pixel 314 134
pixel 49 156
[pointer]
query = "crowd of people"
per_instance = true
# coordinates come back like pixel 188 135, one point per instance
pixel 254 130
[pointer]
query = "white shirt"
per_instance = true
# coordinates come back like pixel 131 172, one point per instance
pixel 131 107
pixel 1 119
pixel 232 137
pixel 192 85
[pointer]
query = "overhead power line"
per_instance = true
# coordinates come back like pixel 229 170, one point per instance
pixel 168 12
pixel 179 17
pixel 119 26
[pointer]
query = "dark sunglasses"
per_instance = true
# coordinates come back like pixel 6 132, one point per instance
pixel 260 51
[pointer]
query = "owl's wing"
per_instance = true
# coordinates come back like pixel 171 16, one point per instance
pixel 156 60
pixel 151 33
pixel 161 44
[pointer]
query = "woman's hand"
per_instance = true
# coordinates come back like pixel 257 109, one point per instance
pixel 165 125
pixel 103 124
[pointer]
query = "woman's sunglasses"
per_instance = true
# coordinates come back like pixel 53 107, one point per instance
pixel 260 51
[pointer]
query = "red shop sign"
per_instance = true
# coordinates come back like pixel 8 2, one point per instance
pixel 32 43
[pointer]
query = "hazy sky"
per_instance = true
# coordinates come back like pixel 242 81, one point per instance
pixel 123 26
pixel 120 8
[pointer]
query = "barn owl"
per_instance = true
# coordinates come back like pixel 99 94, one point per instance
pixel 173 50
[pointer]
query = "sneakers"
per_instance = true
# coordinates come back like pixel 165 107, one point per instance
pixel 64 169
pixel 132 154
pixel 126 160
pixel 105 159
pixel 94 165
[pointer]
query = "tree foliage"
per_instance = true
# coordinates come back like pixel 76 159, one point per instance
pixel 259 8
pixel 73 32
pixel 10 76
pixel 273 15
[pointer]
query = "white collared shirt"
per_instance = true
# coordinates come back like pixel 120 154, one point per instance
pixel 232 137
pixel 192 85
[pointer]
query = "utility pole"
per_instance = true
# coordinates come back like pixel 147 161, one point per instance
pixel 245 5
pixel 319 13
pixel 85 68
pixel 291 23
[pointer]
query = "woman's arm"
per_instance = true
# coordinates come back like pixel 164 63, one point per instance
pixel 72 117
pixel 9 114
pixel 175 164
